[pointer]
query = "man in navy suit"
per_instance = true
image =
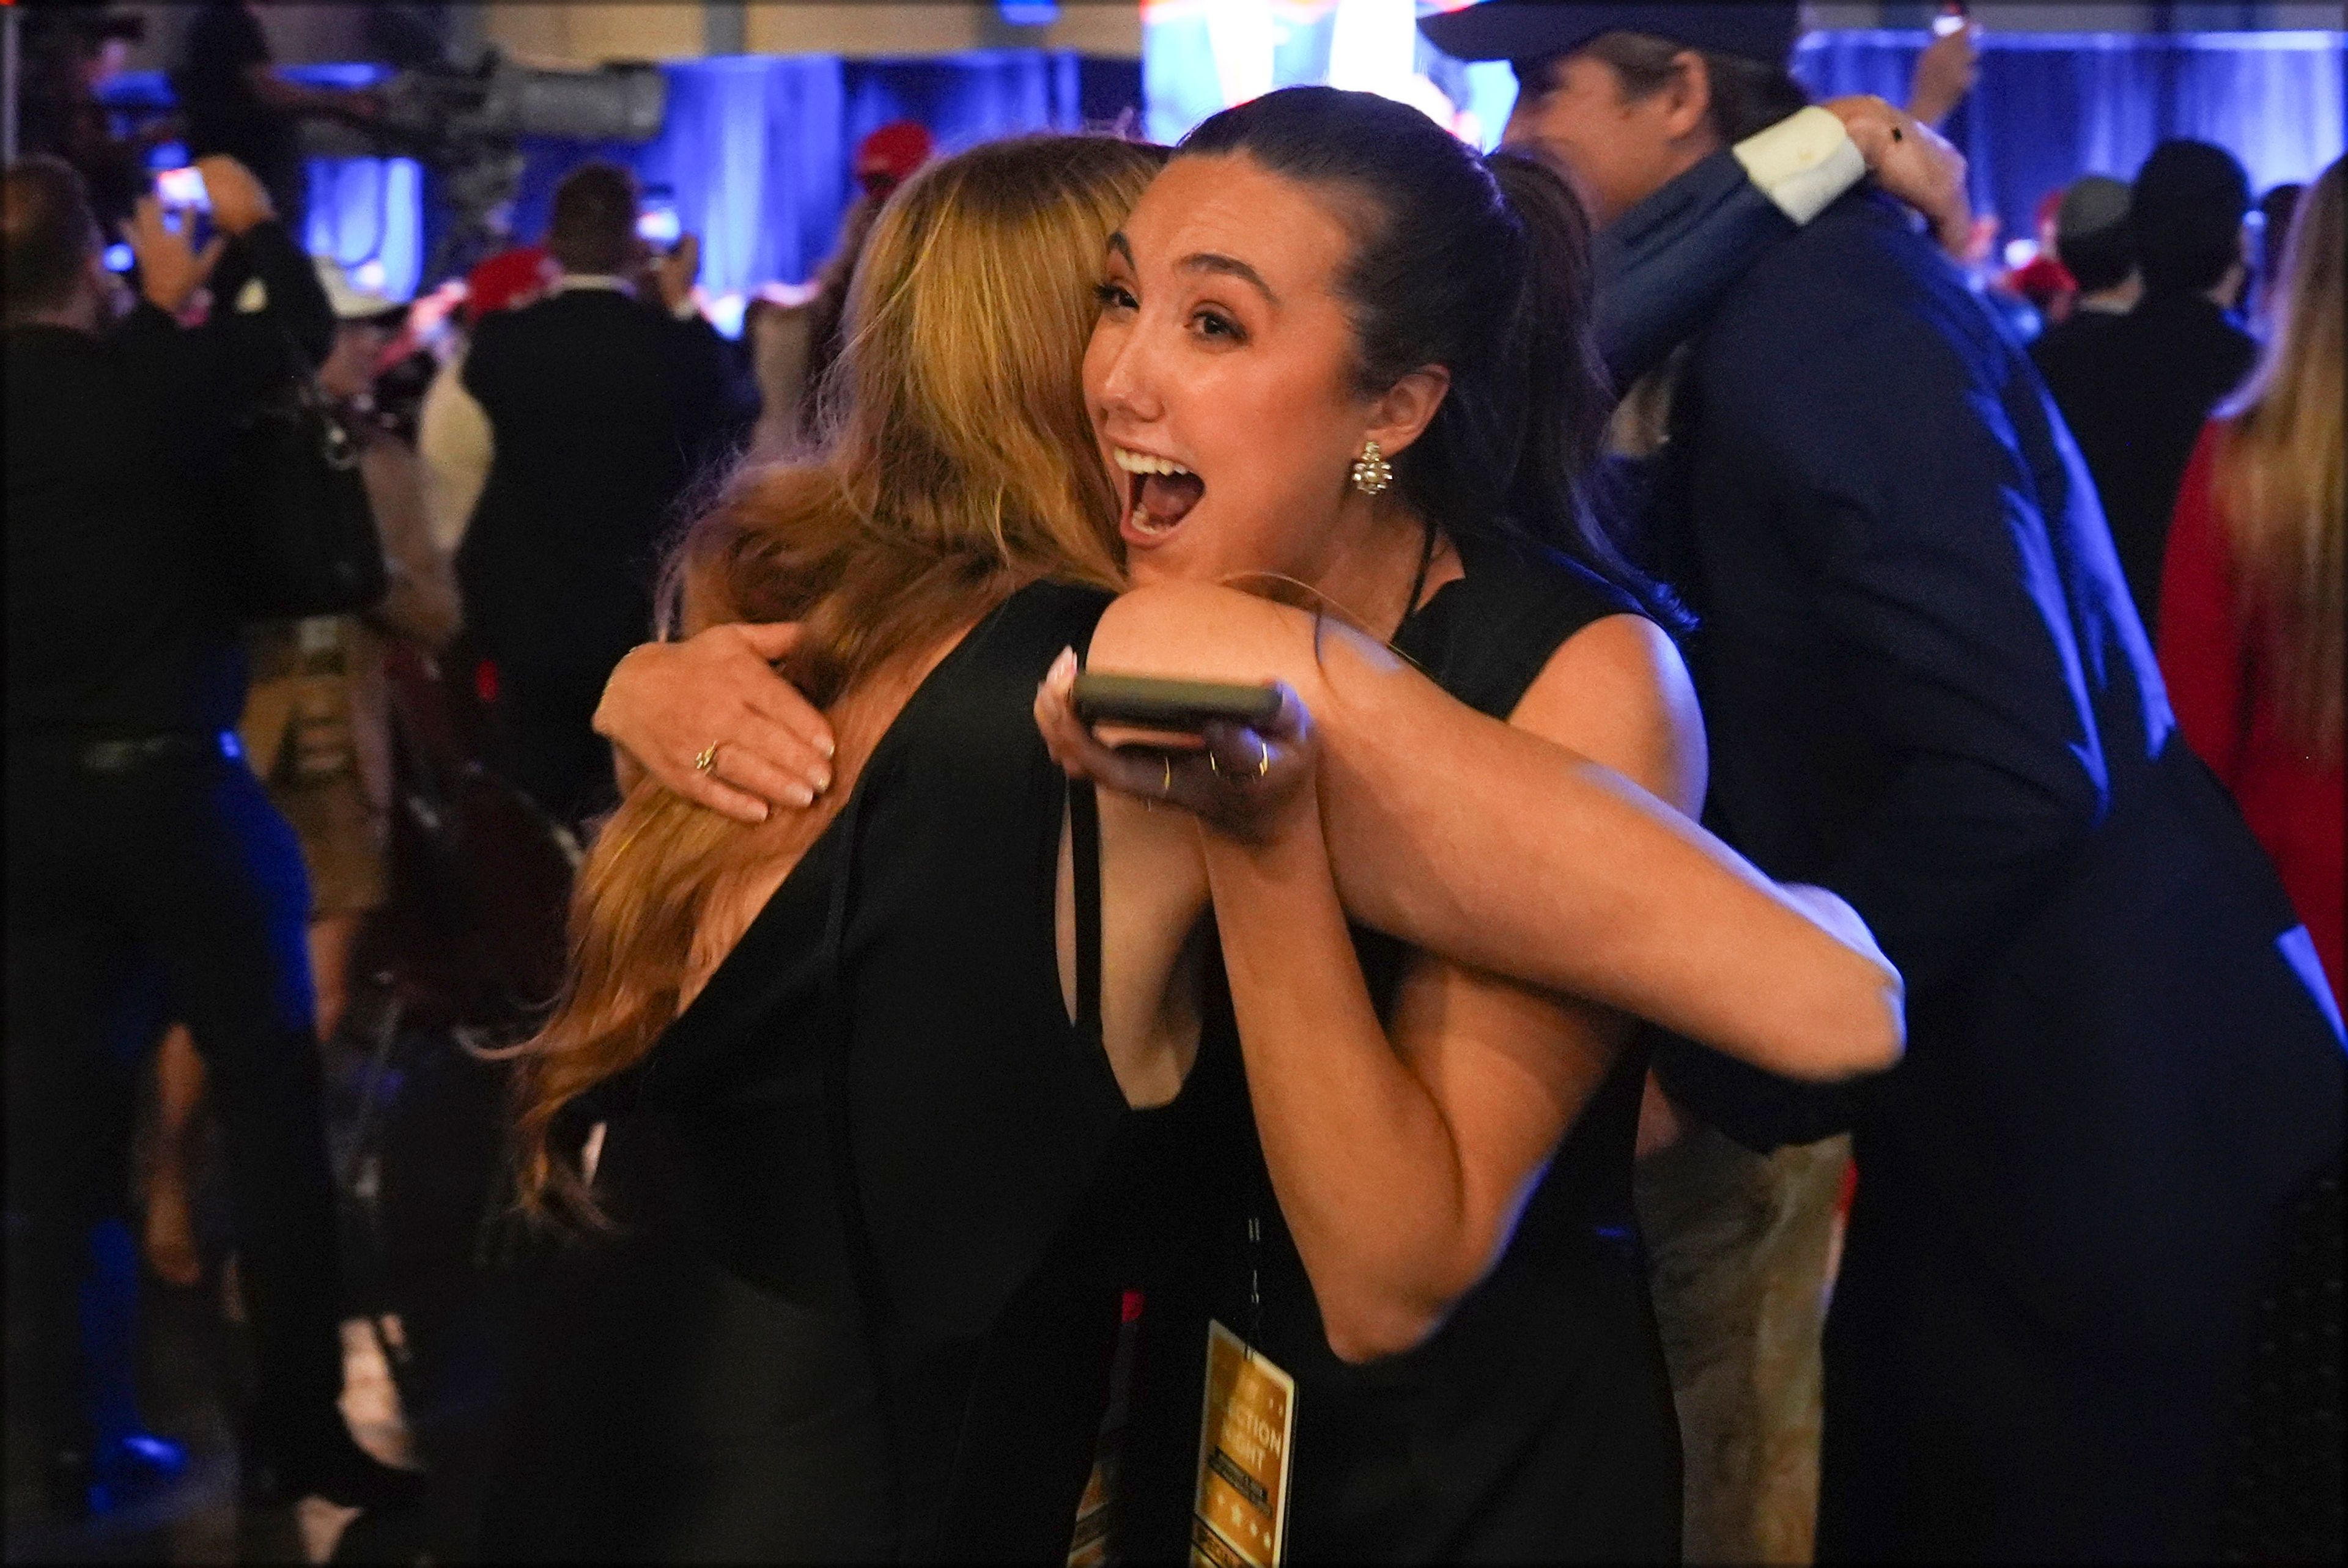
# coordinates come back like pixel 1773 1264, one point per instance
pixel 604 406
pixel 1927 690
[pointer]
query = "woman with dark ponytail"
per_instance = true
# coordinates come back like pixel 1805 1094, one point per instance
pixel 1342 357
pixel 1364 351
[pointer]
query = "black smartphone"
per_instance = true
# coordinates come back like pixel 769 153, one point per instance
pixel 1187 707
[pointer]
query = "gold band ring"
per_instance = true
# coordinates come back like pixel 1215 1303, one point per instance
pixel 1262 760
pixel 1167 788
pixel 708 759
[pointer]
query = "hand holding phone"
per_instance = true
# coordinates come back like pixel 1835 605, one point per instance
pixel 1945 70
pixel 658 228
pixel 1239 758
pixel 170 268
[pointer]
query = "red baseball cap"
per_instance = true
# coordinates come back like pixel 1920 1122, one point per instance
pixel 508 279
pixel 889 156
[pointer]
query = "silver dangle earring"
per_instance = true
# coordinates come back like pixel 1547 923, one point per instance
pixel 1372 473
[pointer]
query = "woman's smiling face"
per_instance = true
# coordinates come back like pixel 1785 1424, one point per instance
pixel 1221 376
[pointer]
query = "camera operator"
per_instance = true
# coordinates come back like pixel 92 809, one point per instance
pixel 137 839
pixel 236 104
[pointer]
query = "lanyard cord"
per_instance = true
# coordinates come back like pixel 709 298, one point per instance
pixel 1417 583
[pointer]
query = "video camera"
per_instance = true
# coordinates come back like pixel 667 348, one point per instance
pixel 452 111
pixel 467 123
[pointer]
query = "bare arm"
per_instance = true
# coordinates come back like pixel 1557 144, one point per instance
pixel 1401 1159
pixel 1508 853
pixel 1490 847
pixel 1944 74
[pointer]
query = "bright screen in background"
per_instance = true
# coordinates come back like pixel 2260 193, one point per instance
pixel 1201 55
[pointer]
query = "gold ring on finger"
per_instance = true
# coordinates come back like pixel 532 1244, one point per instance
pixel 707 758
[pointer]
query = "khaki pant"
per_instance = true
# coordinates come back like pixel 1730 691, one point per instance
pixel 1737 1244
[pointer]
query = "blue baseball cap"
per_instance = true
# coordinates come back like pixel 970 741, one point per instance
pixel 1535 29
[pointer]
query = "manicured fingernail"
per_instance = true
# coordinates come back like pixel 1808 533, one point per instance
pixel 799 795
pixel 1064 667
pixel 765 811
pixel 820 779
pixel 825 747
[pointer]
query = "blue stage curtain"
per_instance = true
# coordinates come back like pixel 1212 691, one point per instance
pixel 2050 106
pixel 367 214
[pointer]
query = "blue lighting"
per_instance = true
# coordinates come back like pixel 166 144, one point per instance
pixel 2050 106
pixel 755 150
pixel 367 213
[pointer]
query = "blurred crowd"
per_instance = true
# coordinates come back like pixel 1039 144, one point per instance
pixel 236 833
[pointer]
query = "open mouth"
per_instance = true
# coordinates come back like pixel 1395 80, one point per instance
pixel 1160 492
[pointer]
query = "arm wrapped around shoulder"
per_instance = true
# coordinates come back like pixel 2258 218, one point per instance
pixel 1491 846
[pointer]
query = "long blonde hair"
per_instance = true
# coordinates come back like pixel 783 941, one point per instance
pixel 2278 479
pixel 955 470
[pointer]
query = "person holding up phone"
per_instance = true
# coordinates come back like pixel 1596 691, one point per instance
pixel 138 840
pixel 1946 70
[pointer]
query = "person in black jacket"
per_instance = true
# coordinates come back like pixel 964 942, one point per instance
pixel 138 840
pixel 2136 392
pixel 1925 688
pixel 236 104
pixel 603 407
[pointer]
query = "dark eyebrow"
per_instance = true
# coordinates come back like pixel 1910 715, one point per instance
pixel 1232 266
pixel 1118 243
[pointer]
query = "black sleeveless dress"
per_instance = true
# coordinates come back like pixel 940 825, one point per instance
pixel 1537 1425
pixel 862 1298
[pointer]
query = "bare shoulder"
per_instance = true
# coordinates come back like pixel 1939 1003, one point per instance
pixel 1618 693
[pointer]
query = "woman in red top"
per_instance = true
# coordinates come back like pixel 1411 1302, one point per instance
pixel 2250 600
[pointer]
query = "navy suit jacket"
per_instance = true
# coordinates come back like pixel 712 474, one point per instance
pixel 604 411
pixel 1927 690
